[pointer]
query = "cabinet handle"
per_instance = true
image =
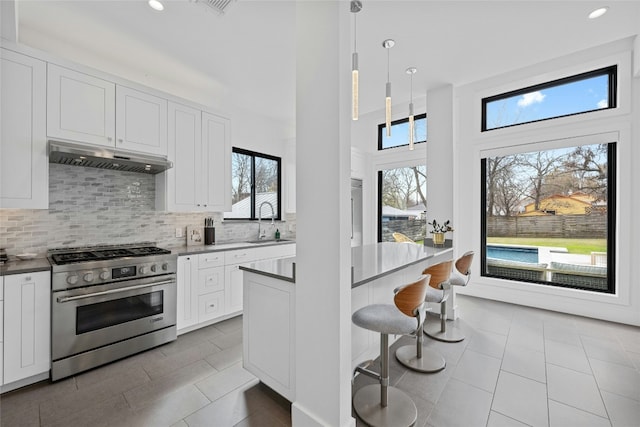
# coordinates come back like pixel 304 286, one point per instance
pixel 240 255
pixel 109 138
pixel 27 278
pixel 212 305
pixel 120 140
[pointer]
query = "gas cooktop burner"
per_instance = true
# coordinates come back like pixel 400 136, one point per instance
pixel 62 256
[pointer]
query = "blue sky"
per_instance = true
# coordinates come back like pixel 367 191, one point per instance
pixel 400 134
pixel 585 95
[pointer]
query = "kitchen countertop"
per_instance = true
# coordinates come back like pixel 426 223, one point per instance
pixel 370 262
pixel 226 246
pixel 29 266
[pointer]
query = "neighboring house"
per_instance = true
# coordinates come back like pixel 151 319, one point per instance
pixel 558 204
pixel 389 212
pixel 242 208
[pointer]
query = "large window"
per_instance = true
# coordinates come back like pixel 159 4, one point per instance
pixel 402 203
pixel 400 132
pixel 255 179
pixel 548 217
pixel 582 93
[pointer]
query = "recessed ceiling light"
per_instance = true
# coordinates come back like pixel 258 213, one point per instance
pixel 155 4
pixel 598 12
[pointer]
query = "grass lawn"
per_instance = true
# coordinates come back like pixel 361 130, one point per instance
pixel 574 246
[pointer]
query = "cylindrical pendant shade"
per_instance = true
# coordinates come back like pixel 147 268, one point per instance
pixel 354 86
pixel 388 109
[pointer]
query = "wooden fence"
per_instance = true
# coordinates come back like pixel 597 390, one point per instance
pixel 560 226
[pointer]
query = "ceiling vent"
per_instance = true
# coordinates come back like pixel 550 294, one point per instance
pixel 218 6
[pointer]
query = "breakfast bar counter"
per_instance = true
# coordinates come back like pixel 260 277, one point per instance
pixel 269 288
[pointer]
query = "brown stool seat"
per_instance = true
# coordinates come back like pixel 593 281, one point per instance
pixel 394 408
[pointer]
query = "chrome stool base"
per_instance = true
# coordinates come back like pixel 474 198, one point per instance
pixel 399 412
pixel 451 334
pixel 430 362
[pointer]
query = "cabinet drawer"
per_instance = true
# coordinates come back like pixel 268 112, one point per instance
pixel 210 280
pixel 241 255
pixel 210 306
pixel 212 259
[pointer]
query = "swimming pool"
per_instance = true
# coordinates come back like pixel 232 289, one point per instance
pixel 513 253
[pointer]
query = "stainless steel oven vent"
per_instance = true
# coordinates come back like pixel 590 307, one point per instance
pixel 218 6
pixel 67 153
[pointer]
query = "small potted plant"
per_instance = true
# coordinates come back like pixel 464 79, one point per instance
pixel 438 231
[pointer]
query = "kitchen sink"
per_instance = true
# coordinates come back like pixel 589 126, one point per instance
pixel 267 241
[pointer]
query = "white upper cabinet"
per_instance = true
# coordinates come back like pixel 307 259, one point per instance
pixel 24 170
pixel 216 157
pixel 141 121
pixel 84 108
pixel 177 189
pixel 80 107
pixel 199 146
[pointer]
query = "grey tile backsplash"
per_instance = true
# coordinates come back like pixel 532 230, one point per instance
pixel 89 206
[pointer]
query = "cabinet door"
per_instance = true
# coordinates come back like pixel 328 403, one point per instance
pixel 233 288
pixel 187 296
pixel 210 306
pixel 216 166
pixel 141 121
pixel 210 280
pixel 27 310
pixel 24 169
pixel 184 179
pixel 80 107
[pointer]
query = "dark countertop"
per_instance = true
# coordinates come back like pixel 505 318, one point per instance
pixel 219 247
pixel 369 262
pixel 29 266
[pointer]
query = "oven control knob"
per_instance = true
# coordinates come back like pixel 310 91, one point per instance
pixel 143 270
pixel 88 277
pixel 165 266
pixel 154 267
pixel 104 275
pixel 73 279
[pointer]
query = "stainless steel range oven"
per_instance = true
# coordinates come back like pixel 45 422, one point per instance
pixel 108 303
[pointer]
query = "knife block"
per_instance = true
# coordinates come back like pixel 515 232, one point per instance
pixel 209 236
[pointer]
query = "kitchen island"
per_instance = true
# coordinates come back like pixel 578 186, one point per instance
pixel 269 305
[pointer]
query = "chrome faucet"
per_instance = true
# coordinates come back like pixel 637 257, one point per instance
pixel 273 214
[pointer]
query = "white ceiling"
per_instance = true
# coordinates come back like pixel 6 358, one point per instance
pixel 247 56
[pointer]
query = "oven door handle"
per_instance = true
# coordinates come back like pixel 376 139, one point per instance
pixel 113 291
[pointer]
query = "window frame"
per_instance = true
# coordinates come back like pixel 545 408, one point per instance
pixel 611 227
pixel 382 126
pixel 253 155
pixel 611 71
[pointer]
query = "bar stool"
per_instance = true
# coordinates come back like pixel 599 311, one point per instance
pixel 440 275
pixel 418 358
pixel 460 276
pixel 381 404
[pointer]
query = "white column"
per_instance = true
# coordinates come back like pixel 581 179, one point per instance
pixel 323 253
pixel 636 54
pixel 9 20
pixel 440 176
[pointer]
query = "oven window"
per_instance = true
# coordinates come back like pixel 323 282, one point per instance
pixel 114 312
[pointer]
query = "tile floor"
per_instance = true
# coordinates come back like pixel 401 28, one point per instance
pixel 518 366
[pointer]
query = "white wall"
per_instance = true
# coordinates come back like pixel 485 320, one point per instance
pixel 621 124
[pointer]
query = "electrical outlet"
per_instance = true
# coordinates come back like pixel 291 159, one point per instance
pixel 179 232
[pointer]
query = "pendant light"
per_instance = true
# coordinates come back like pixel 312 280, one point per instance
pixel 356 6
pixel 412 127
pixel 388 44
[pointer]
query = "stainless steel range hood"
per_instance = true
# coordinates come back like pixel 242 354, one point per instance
pixel 68 153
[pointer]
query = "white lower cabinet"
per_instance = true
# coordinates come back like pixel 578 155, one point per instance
pixel 210 284
pixel 233 287
pixel 187 295
pixel 27 311
pixel 1 328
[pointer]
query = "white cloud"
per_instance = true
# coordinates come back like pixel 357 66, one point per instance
pixel 531 98
pixel 604 103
